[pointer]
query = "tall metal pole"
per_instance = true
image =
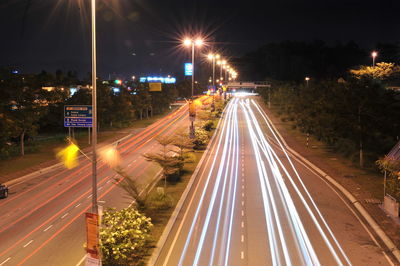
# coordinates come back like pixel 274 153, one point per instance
pixel 94 110
pixel 192 67
pixel 213 66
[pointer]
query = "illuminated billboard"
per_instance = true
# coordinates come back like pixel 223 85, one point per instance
pixel 188 69
pixel 166 80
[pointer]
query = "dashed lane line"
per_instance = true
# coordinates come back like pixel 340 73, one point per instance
pixel 76 206
pixel 9 258
pixel 50 226
pixel 27 244
pixel 65 215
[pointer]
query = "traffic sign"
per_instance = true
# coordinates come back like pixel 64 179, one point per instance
pixel 78 122
pixel 77 111
pixel 78 116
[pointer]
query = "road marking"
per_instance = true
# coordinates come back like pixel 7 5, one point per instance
pixel 242 238
pixel 27 244
pixel 100 188
pixel 134 160
pixel 89 196
pixel 129 165
pixel 108 181
pixel 76 206
pixel 242 255
pixel 9 258
pixel 242 179
pixel 242 195
pixel 242 224
pixel 242 164
pixel 50 226
pixel 242 186
pixel 242 203
pixel 242 212
pixel 242 175
pixel 65 215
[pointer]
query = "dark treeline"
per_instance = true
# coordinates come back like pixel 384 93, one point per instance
pixel 292 61
pixel 356 114
pixel 27 109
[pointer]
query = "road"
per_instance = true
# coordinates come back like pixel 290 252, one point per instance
pixel 254 203
pixel 42 221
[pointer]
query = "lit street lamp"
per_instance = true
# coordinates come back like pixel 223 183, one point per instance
pixel 189 42
pixel 374 54
pixel 307 79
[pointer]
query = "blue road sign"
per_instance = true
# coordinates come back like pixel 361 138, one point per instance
pixel 188 69
pixel 78 122
pixel 78 116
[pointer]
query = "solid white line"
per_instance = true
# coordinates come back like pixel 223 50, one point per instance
pixel 80 262
pixel 78 205
pixel 27 244
pixel 9 258
pixel 62 217
pixel 50 226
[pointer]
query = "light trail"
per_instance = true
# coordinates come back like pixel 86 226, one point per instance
pixel 259 141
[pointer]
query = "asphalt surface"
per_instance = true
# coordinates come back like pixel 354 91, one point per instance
pixel 42 221
pixel 253 203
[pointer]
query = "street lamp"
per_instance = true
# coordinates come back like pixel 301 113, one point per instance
pixel 212 58
pixel 374 54
pixel 190 42
pixel 307 79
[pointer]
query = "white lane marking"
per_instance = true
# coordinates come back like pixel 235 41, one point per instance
pixel 65 215
pixel 242 213
pixel 242 175
pixel 50 226
pixel 129 165
pixel 242 164
pixel 9 258
pixel 81 261
pixel 242 180
pixel 242 255
pixel 100 188
pixel 242 203
pixel 242 240
pixel 108 181
pixel 27 244
pixel 134 160
pixel 242 195
pixel 76 206
pixel 89 196
pixel 242 224
pixel 242 186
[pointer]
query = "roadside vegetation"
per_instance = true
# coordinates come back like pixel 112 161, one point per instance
pixel 354 116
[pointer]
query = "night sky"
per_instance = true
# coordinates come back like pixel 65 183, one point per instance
pixel 142 36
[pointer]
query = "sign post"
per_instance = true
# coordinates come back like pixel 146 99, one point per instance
pixel 92 236
pixel 78 116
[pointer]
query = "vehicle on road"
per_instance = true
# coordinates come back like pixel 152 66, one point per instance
pixel 3 191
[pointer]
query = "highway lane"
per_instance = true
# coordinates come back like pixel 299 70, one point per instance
pixel 42 222
pixel 253 203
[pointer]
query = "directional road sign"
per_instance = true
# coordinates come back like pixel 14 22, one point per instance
pixel 78 116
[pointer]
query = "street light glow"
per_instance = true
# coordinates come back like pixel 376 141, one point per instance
pixel 374 54
pixel 199 42
pixel 187 42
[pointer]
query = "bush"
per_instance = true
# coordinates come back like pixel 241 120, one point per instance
pixel 160 201
pixel 201 138
pixel 208 126
pixel 123 236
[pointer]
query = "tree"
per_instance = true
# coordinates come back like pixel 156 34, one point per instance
pixel 380 71
pixel 182 141
pixel 170 164
pixel 123 236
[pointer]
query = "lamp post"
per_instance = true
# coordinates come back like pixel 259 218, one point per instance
pixel 193 43
pixel 94 110
pixel 374 54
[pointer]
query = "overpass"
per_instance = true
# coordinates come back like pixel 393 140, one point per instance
pixel 248 85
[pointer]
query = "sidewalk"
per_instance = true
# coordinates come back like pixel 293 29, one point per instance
pixel 365 185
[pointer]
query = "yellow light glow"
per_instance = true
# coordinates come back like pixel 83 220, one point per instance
pixel 110 156
pixel 210 56
pixel 199 42
pixel 69 156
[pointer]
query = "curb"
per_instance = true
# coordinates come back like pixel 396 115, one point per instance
pixel 377 229
pixel 161 242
